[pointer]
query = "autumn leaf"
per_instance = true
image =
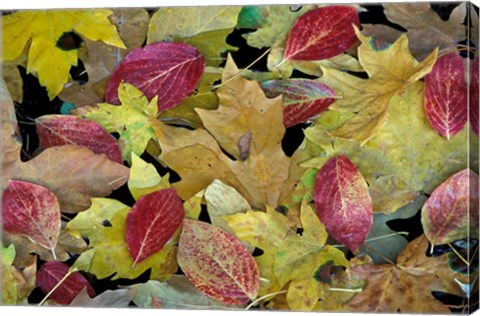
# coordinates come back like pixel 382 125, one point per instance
pixel 144 178
pixel 342 202
pixel 33 211
pixel 322 33
pixel 474 101
pixel 395 162
pixel 261 170
pixel 450 212
pixel 302 99
pixel 45 28
pixel 406 286
pixel 425 29
pixel 168 71
pixel 52 273
pixel 226 272
pixel 132 119
pixel 390 70
pixel 120 298
pixel 58 130
pixel 446 96
pixel 151 223
pixel 205 28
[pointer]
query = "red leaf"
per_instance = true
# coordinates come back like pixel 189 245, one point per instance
pixel 474 105
pixel 446 95
pixel 31 210
pixel 51 273
pixel 322 33
pixel 343 202
pixel 217 263
pixel 151 222
pixel 451 212
pixel 58 130
pixel 302 99
pixel 168 69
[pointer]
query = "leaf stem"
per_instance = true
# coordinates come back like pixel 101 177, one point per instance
pixel 378 254
pixel 56 286
pixel 459 255
pixel 262 298
pixel 337 289
pixel 241 71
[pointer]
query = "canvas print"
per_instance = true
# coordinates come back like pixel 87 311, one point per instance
pixel 315 157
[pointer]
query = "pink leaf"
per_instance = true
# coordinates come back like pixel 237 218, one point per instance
pixel 58 130
pixel 152 221
pixel 451 212
pixel 167 69
pixel 51 273
pixel 302 99
pixel 343 202
pixel 217 263
pixel 474 105
pixel 31 210
pixel 446 95
pixel 322 33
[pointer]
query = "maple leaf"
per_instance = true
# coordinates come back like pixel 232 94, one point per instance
pixel 390 70
pixel 144 178
pixel 249 127
pixel 406 286
pixel 398 163
pixel 286 255
pixel 100 60
pixel 132 119
pixel 205 28
pixel 16 284
pixel 45 28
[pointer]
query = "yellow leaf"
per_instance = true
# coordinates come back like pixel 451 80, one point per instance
pixel 144 178
pixel 390 70
pixel 193 206
pixel 44 28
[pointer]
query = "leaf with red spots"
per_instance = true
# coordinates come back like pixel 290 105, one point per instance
pixel 168 70
pixel 151 222
pixel 31 210
pixel 474 105
pixel 302 99
pixel 217 263
pixel 322 33
pixel 446 95
pixel 58 130
pixel 451 212
pixel 51 274
pixel 343 202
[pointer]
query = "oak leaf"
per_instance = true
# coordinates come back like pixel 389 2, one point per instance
pixel 390 70
pixel 45 28
pixel 406 286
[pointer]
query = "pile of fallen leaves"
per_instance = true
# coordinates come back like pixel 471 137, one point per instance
pixel 162 179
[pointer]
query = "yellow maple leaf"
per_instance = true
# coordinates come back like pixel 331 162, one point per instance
pixel 44 28
pixel 390 70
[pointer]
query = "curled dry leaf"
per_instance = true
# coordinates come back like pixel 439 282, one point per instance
pixel 151 222
pixel 322 33
pixel 50 275
pixel 33 211
pixel 343 202
pixel 226 272
pixel 168 70
pixel 58 130
pixel 302 99
pixel 446 95
pixel 451 212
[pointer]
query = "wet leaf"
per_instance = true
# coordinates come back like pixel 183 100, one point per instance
pixel 51 273
pixel 33 211
pixel 44 28
pixel 322 33
pixel 151 223
pixel 450 213
pixel 302 99
pixel 144 178
pixel 343 202
pixel 226 272
pixel 446 96
pixel 58 130
pixel 167 70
